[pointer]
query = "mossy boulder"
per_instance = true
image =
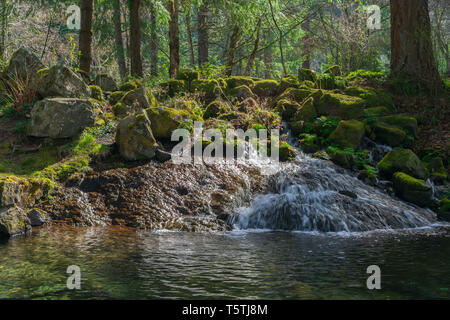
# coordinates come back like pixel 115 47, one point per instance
pixel 120 110
pixel 106 82
pixel 187 76
pixel 237 81
pixel 96 92
pixel 348 134
pixel 61 117
pixel 341 158
pixel 376 112
pixel 307 111
pixel 135 139
pixel 290 81
pixel 371 96
pixel 172 87
pixel 266 88
pixel 343 106
pixel 209 88
pixel 286 152
pixel 215 109
pixel 61 81
pixel 165 120
pixel 333 70
pixel 386 134
pixel 242 92
pixel 13 221
pixel 141 98
pixel 401 160
pixel 248 105
pixel 407 123
pixel 297 95
pixel 115 97
pixel 307 74
pixel 436 169
pixel 325 81
pixel 412 190
pixel 287 109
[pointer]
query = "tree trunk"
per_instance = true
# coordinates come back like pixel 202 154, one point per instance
pixel 187 14
pixel 280 38
pixel 135 39
pixel 268 57
pixel 232 49
pixel 4 26
pixel 154 42
pixel 306 47
pixel 85 38
pixel 203 41
pixel 252 56
pixel 120 52
pixel 174 38
pixel 411 48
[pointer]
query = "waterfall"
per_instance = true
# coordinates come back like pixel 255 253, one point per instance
pixel 310 194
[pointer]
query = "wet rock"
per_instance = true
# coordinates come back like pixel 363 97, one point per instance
pixel 106 82
pixel 412 190
pixel 61 117
pixel 61 81
pixel 13 221
pixel 135 139
pixel 348 194
pixel 37 217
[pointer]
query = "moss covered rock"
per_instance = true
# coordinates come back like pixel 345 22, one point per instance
pixel 444 210
pixel 371 96
pixel 407 123
pixel 297 95
pixel 13 221
pixel 172 87
pixel 343 106
pixel 237 81
pixel 135 139
pixel 242 92
pixel 307 111
pixel 290 81
pixel 387 134
pixel 187 76
pixel 348 134
pixel 61 81
pixel 307 74
pixel 96 92
pixel 325 81
pixel 140 98
pixel 106 82
pixel 209 88
pixel 115 97
pixel 287 109
pixel 309 143
pixel 266 88
pixel 401 160
pixel 333 70
pixel 412 190
pixel 436 169
pixel 216 108
pixel 376 112
pixel 165 120
pixel 286 152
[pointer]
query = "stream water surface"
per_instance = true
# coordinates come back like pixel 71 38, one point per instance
pixel 121 263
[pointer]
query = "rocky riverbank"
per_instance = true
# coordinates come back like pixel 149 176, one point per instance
pixel 96 152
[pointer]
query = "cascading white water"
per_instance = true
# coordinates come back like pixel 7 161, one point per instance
pixel 313 195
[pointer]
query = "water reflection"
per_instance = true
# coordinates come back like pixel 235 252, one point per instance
pixel 121 263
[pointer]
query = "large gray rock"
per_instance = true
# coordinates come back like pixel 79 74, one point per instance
pixel 142 98
pixel 61 81
pixel 135 138
pixel 23 66
pixel 61 117
pixel 13 220
pixel 106 82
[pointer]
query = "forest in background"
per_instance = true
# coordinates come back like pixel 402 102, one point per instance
pixel 261 38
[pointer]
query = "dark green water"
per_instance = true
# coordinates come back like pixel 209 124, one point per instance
pixel 125 264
